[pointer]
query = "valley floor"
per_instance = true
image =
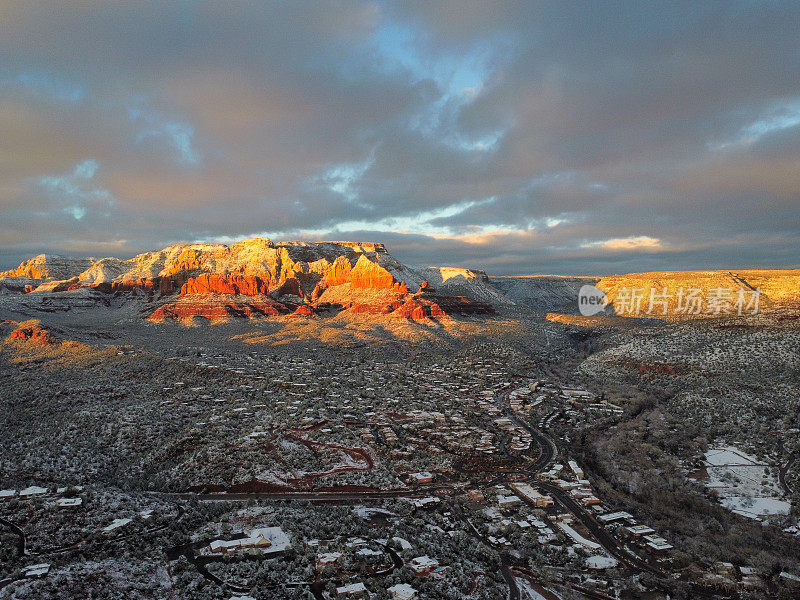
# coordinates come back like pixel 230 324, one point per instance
pixel 505 457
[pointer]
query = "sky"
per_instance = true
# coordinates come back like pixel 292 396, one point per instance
pixel 538 137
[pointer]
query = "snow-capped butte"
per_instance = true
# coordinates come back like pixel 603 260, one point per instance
pixel 254 277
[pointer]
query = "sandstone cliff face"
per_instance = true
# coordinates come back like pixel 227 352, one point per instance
pixel 212 283
pixel 218 307
pixel 368 274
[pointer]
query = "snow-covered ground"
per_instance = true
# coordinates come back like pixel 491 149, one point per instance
pixel 526 591
pixel 743 484
pixel 600 561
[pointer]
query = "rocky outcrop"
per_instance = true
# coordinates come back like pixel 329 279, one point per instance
pixel 304 310
pixel 542 292
pixel 368 274
pixel 33 334
pixel 427 304
pixel 338 273
pixel 163 286
pixel 363 265
pixel 470 283
pixel 418 309
pixel 376 308
pixel 22 285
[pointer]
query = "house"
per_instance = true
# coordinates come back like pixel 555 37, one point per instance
pixel 639 530
pixel 426 502
pixel 422 477
pixel 532 495
pixel 352 590
pixel 69 502
pixel 423 565
pixel 598 562
pixel 752 581
pixel 576 469
pixel 327 558
pixel 589 544
pixel 657 544
pixel 509 501
pixel 271 539
pixel 6 494
pixel 616 516
pixel 33 490
pixel 116 524
pixel 34 571
pixel 402 591
pixel 476 496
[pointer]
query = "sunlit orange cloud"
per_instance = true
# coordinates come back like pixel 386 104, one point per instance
pixel 641 242
pixel 480 239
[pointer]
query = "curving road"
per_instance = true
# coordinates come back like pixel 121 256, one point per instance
pixel 782 474
pixel 548 453
pixel 22 540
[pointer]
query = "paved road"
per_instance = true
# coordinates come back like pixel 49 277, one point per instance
pixel 782 474
pixel 612 545
pixel 416 492
pixel 508 575
pixel 21 539
pixel 608 541
pixel 548 453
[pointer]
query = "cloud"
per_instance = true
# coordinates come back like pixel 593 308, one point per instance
pixel 514 133
pixel 640 242
pixel 51 87
pixel 154 127
pixel 76 190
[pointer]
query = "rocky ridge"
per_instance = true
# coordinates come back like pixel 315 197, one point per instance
pixel 250 278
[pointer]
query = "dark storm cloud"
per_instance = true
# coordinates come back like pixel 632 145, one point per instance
pixel 517 137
